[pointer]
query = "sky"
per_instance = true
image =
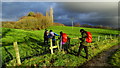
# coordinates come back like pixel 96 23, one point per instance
pixel 92 13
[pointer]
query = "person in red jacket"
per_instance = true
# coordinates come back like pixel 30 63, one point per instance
pixel 63 40
pixel 63 37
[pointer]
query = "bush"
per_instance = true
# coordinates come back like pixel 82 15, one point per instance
pixel 77 25
pixel 33 21
pixel 8 25
pixel 58 24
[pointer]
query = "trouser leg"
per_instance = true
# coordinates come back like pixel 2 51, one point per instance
pixel 68 41
pixel 86 51
pixel 53 43
pixel 44 40
pixel 80 49
pixel 53 40
pixel 60 45
pixel 47 40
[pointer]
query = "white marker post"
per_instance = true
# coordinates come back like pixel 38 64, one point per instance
pixel 98 38
pixel 51 46
pixel 110 36
pixel 58 45
pixel 105 37
pixel 17 53
pixel 72 19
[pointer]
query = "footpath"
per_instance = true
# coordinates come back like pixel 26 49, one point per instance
pixel 102 58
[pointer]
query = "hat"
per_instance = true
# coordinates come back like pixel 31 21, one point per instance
pixel 82 30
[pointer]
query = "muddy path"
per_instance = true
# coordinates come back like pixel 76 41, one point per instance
pixel 102 58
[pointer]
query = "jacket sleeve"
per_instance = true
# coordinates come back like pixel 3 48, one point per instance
pixel 84 37
pixel 56 34
pixel 48 36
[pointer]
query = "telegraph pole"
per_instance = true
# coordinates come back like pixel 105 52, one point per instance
pixel 72 19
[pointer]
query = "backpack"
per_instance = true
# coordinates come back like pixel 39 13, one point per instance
pixel 89 37
pixel 64 37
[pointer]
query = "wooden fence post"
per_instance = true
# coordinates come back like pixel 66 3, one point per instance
pixel 51 46
pixel 61 43
pixel 105 37
pixel 17 53
pixel 98 38
pixel 110 36
pixel 115 36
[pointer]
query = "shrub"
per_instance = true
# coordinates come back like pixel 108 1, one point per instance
pixel 77 25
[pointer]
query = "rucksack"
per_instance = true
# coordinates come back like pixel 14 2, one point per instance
pixel 89 37
pixel 64 37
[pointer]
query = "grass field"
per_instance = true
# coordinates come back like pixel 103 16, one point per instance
pixel 34 53
pixel 115 58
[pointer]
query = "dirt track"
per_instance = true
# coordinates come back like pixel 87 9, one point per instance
pixel 101 59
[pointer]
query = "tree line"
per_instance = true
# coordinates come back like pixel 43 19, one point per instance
pixel 37 21
pixel 92 26
pixel 32 21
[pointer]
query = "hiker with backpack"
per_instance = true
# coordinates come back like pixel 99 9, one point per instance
pixel 52 36
pixel 46 36
pixel 86 38
pixel 63 39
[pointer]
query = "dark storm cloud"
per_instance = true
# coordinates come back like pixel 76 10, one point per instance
pixel 96 13
pixel 83 7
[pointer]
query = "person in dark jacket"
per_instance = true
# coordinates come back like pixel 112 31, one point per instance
pixel 83 43
pixel 46 36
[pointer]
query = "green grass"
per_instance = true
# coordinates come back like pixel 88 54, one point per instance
pixel 27 40
pixel 31 46
pixel 64 59
pixel 115 58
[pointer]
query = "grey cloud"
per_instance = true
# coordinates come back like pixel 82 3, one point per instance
pixel 18 9
pixel 101 7
pixel 95 13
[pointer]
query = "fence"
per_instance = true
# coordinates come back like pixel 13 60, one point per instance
pixel 58 45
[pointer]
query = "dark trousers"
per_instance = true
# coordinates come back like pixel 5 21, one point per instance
pixel 80 49
pixel 45 40
pixel 53 42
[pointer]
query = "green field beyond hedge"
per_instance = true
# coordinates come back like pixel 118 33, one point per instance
pixel 34 53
